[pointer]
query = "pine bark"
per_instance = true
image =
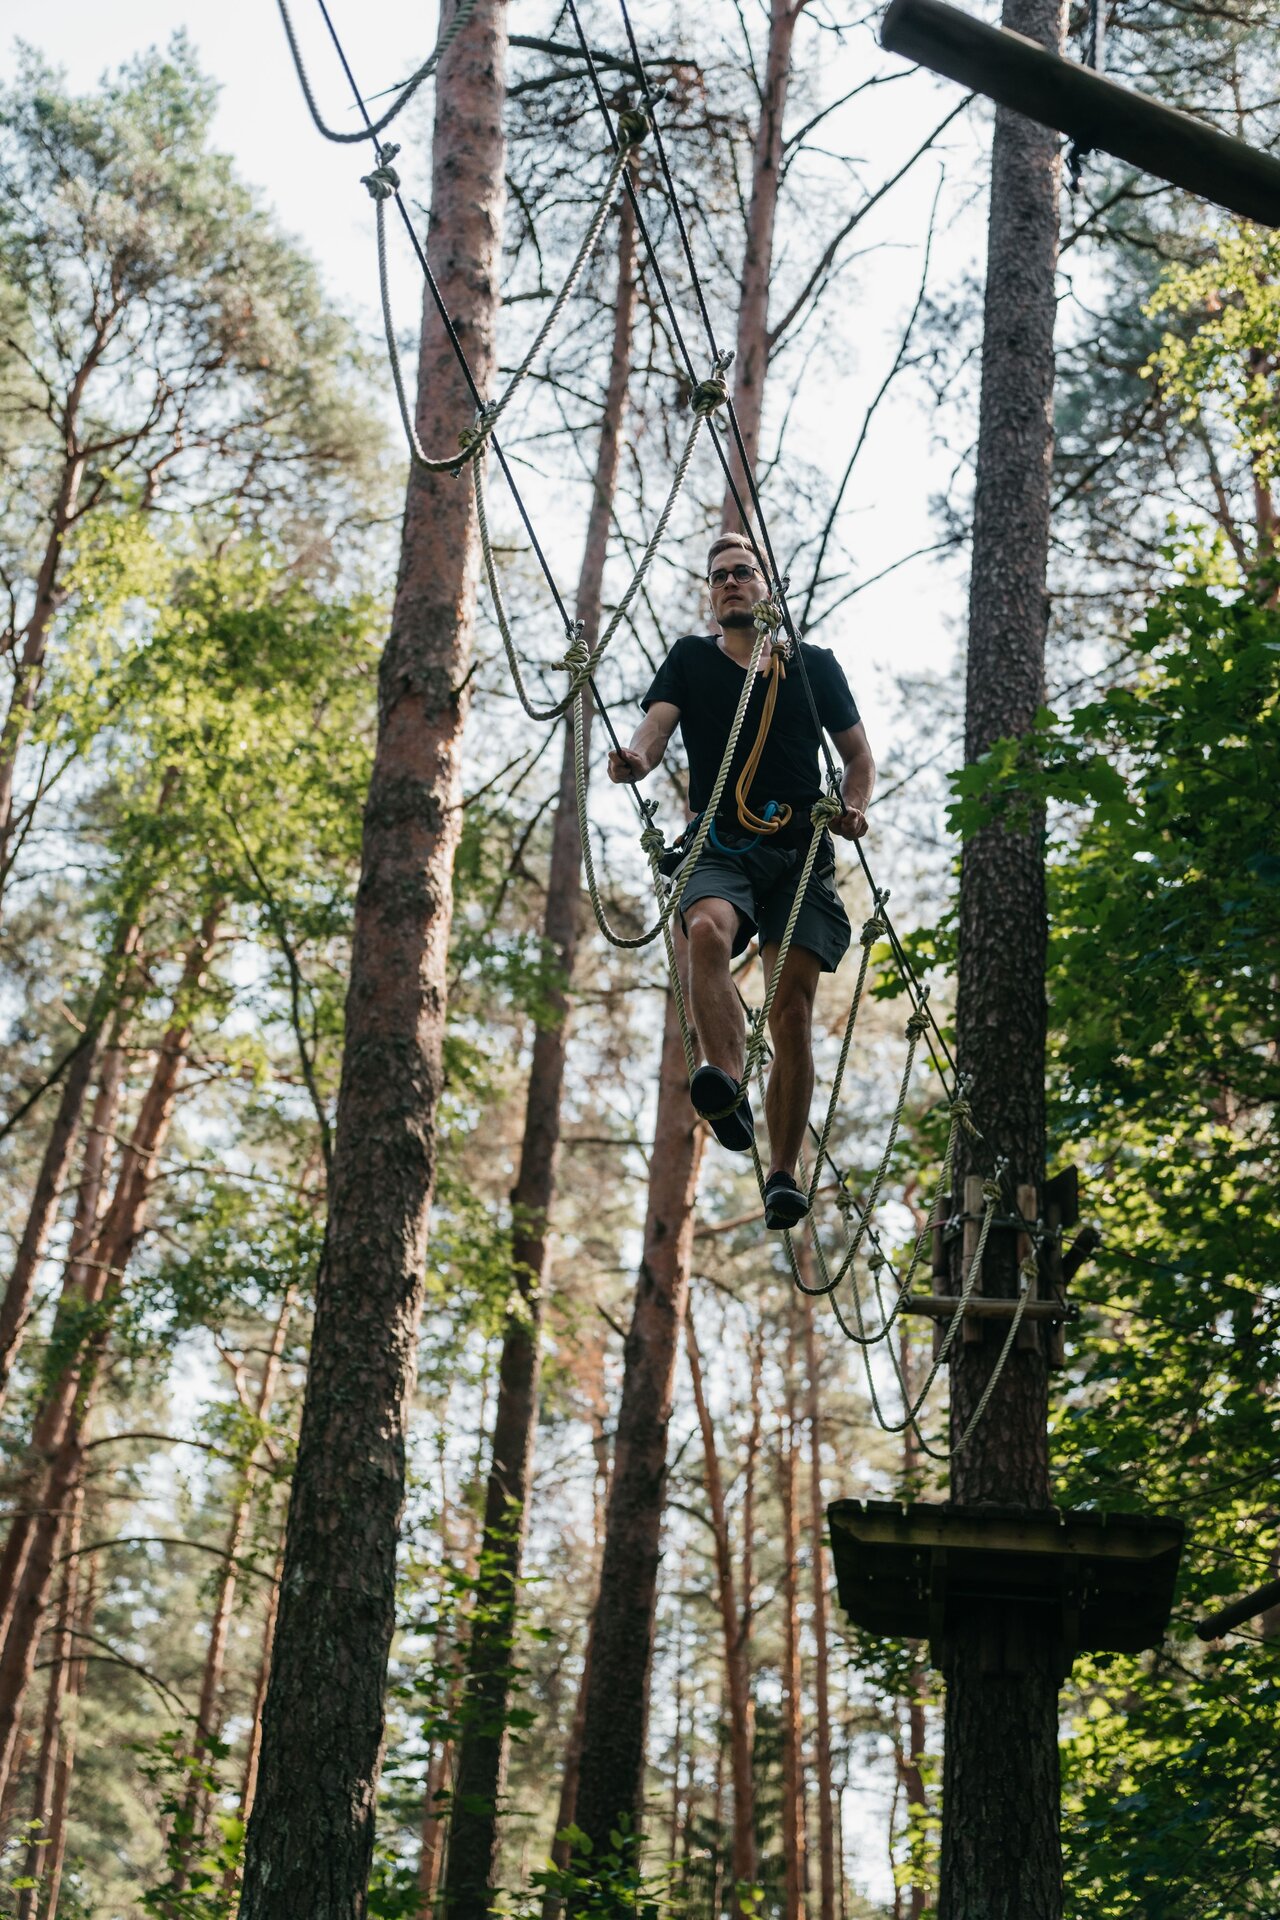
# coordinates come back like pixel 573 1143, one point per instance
pixel 613 1736
pixel 1001 1853
pixel 482 1747
pixel 735 1633
pixel 794 1835
pixel 751 364
pixel 821 1669
pixel 64 1772
pixel 61 1662
pixel 310 1839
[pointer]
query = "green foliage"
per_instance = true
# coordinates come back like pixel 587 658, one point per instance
pixel 599 1886
pixel 201 1869
pixel 1224 351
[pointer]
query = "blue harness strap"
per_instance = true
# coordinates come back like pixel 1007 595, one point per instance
pixel 715 840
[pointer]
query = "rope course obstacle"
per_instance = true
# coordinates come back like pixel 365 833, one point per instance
pixel 774 627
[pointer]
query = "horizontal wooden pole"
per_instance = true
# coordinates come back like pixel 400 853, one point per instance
pixel 1095 111
pixel 942 1306
pixel 1243 1609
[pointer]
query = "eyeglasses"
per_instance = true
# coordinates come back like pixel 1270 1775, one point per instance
pixel 722 575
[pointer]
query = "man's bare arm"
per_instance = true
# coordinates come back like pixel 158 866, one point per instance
pixel 648 744
pixel 858 784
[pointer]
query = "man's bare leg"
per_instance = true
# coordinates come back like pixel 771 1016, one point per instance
pixel 717 1012
pixel 790 1091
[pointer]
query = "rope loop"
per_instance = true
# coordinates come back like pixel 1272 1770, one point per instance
pixel 873 929
pixel 633 127
pixel 918 1024
pixel 767 615
pixel 653 840
pixel 825 809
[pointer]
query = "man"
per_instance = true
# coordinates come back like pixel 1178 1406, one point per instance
pixel 744 883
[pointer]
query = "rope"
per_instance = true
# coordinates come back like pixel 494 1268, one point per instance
pixel 464 12
pixel 382 183
pixel 582 660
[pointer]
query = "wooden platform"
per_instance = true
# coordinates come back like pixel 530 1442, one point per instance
pixel 1098 1582
pixel 1095 111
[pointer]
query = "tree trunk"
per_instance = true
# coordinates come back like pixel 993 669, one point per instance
pixel 613 1735
pixel 31 1549
pixel 733 1624
pixel 15 1309
pixel 821 1671
pixel 751 363
pixel 65 1769
pixel 613 1740
pixel 482 1747
pixel 1001 1854
pixel 30 663
pixel 912 1750
pixel 310 1838
pixel 61 1662
pixel 794 1839
pixel 193 1819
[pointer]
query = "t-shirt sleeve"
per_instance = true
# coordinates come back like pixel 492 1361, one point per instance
pixel 670 682
pixel 836 703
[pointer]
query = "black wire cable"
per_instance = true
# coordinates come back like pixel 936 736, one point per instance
pixel 644 808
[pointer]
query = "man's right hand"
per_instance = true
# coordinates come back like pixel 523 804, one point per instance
pixel 626 765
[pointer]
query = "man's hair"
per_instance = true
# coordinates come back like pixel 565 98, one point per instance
pixel 738 541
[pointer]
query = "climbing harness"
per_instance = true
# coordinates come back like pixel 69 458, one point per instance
pixel 672 868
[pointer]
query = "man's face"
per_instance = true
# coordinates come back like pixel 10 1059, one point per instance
pixel 732 598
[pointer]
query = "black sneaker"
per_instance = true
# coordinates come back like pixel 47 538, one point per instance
pixel 785 1205
pixel 715 1095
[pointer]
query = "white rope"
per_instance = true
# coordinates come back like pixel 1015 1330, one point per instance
pixel 465 9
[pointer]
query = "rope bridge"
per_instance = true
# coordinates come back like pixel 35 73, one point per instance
pixel 776 630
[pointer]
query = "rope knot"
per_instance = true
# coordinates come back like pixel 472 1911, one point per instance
pixel 876 1261
pixel 653 841
pixel 767 615
pixel 962 1114
pixel 825 809
pixel 578 654
pixel 918 1024
pixel 991 1191
pixel 708 395
pixel 873 929
pixel 1029 1268
pixel 846 1200
pixel 633 127
pixel 384 180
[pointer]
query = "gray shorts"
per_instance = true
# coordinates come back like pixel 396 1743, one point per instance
pixel 761 883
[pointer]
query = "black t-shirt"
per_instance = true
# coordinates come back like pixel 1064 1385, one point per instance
pixel 706 684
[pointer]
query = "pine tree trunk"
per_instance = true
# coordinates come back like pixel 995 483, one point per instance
pixel 1001 1855
pixel 15 1308
pixel 310 1838
pixel 734 1630
pixel 821 1671
pixel 64 1772
pixel 613 1735
pixel 617 1703
pixel 751 363
pixel 794 1839
pixel 482 1747
pixel 191 1826
pixel 61 1662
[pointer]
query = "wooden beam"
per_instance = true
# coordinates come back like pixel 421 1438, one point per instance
pixel 1096 112
pixel 1246 1608
pixel 942 1306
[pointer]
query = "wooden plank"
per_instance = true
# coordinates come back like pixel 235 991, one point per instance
pixel 1028 1336
pixel 972 1331
pixel 1095 111
pixel 942 1306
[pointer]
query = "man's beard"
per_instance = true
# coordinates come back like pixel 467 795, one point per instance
pixel 740 617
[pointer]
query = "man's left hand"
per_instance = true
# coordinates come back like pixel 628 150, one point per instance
pixel 851 825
